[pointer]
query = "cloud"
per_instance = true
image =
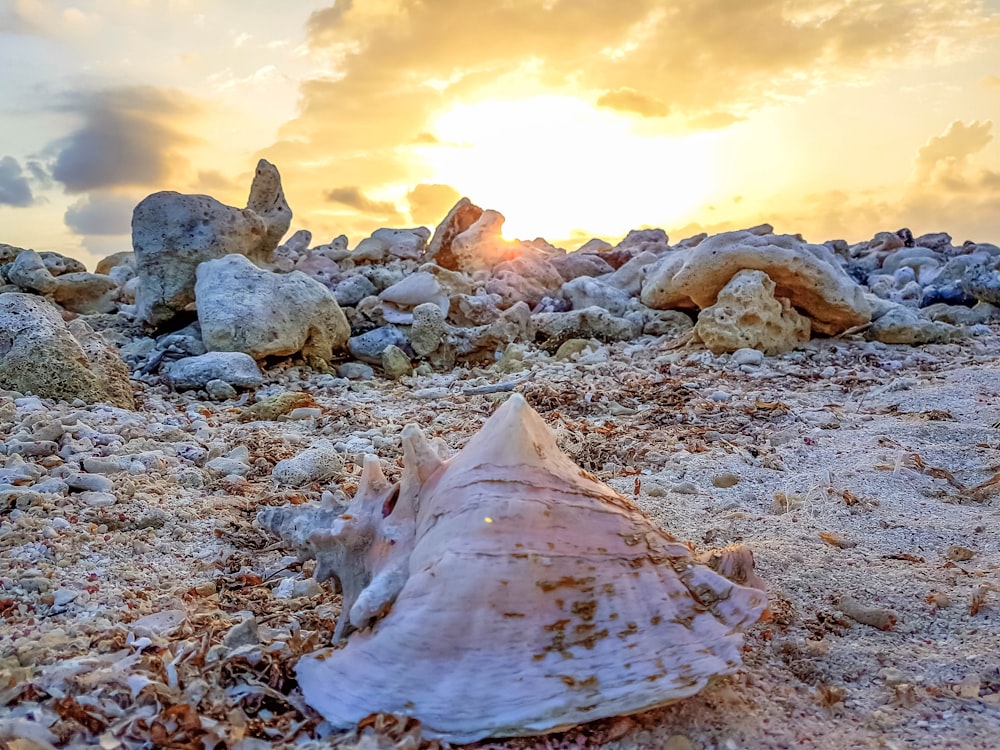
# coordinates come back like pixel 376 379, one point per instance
pixel 322 24
pixel 429 203
pixel 944 154
pixel 395 66
pixel 354 198
pixel 991 82
pixel 714 121
pixel 629 100
pixel 101 214
pixel 129 137
pixel 14 187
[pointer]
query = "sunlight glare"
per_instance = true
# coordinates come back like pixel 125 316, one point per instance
pixel 554 164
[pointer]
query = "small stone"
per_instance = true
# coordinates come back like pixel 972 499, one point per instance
pixel 969 686
pixel 892 676
pixel 317 464
pixel 960 554
pixel 720 396
pixel 751 357
pixel 395 362
pixel 355 371
pixel 272 407
pixel 242 634
pixel 685 488
pixel 368 347
pixel 305 412
pixel 62 597
pixel 678 742
pixel 220 390
pixel 725 480
pixel 98 499
pixel 89 482
pixel 570 348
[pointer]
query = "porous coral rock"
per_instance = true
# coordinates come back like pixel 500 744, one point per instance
pixel 173 233
pixel 807 275
pixel 243 308
pixel 40 354
pixel 747 315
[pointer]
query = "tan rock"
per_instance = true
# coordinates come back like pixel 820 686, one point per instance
pixel 747 315
pixel 807 275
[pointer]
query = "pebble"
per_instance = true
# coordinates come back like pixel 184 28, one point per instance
pixel 720 396
pixel 356 371
pixel 685 488
pixel 220 390
pixel 94 465
pixel 305 412
pixel 969 686
pixel 89 482
pixel 395 362
pixel 747 357
pixel 63 596
pixel 725 480
pixel 98 499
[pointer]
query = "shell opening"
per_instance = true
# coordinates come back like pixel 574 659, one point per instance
pixel 390 502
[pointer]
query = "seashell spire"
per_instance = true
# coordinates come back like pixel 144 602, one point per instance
pixel 511 593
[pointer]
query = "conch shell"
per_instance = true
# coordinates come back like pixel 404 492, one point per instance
pixel 507 592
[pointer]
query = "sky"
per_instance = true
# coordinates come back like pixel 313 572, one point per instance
pixel 573 118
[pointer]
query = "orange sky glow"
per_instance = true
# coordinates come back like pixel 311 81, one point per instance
pixel 575 119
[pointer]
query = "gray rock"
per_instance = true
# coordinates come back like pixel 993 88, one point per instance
pixel 242 308
pixel 237 369
pixel 355 371
pixel 957 315
pixel 395 362
pixel 905 325
pixel 86 293
pixel 590 322
pixel 116 260
pixel 353 289
pixel 60 265
pixel 220 390
pixel 41 354
pixel 580 263
pixel 29 273
pixel 173 233
pixel 587 292
pixel 747 357
pixel 368 347
pixel 319 463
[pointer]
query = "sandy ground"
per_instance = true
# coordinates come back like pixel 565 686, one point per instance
pixel 864 477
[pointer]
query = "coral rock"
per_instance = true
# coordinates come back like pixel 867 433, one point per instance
pixel 173 233
pixel 243 308
pixel 40 354
pixel 807 275
pixel 507 592
pixel 747 315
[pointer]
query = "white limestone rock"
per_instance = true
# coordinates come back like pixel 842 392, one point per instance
pixel 243 308
pixel 29 272
pixel 320 463
pixel 809 276
pixel 173 233
pixel 747 315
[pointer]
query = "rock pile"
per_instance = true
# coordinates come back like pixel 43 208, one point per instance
pixel 207 280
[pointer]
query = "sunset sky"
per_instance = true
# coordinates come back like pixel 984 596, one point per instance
pixel 573 118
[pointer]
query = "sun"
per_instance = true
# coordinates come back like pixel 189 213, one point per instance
pixel 560 168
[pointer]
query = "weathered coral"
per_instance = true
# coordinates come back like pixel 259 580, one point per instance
pixel 506 592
